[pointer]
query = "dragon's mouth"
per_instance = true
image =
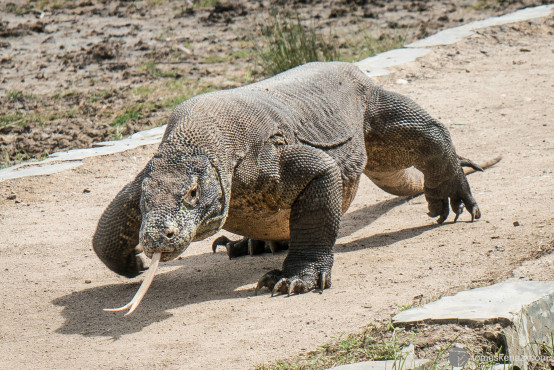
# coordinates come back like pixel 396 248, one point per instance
pixel 148 277
pixel 166 256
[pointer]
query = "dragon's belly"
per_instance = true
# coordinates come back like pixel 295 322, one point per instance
pixel 265 225
pixel 256 215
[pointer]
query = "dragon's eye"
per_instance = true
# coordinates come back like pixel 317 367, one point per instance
pixel 192 195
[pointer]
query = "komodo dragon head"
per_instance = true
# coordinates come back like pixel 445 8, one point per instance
pixel 182 201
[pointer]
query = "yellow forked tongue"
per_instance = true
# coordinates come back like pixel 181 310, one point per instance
pixel 148 277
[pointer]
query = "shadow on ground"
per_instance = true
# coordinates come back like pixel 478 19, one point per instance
pixel 201 278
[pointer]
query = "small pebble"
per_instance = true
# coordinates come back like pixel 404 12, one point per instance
pixel 88 281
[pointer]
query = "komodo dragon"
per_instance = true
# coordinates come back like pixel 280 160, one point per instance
pixel 280 161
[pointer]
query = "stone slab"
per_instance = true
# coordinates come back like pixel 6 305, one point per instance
pixel 377 65
pixel 526 309
pixel 498 301
pixel 385 365
pixel 60 161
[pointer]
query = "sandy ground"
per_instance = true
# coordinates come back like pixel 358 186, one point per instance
pixel 493 90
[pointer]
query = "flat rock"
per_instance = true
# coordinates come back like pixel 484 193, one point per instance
pixel 385 365
pixel 492 303
pixel 526 308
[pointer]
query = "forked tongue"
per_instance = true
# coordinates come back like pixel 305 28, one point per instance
pixel 148 277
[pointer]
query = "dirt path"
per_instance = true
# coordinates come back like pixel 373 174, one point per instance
pixel 494 92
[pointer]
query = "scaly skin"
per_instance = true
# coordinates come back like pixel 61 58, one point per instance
pixel 279 161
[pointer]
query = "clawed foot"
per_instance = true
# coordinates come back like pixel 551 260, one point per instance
pixel 454 193
pixel 248 246
pixel 278 282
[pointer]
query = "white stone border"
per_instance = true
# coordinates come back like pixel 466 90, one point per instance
pixel 377 65
pixel 373 66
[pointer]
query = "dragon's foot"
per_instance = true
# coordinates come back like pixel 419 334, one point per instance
pixel 247 246
pixel 453 192
pixel 303 281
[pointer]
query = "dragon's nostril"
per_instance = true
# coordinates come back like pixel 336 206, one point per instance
pixel 170 234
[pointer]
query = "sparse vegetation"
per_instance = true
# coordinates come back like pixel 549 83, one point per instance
pixel 52 4
pixel 13 118
pixel 99 95
pixel 488 4
pixel 368 45
pixel 546 350
pixel 131 113
pixel 204 3
pixel 14 95
pixel 373 344
pixel 387 342
pixel 18 157
pixel 284 42
pixel 154 71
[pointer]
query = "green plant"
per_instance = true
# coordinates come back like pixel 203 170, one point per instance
pixel 152 68
pixel 14 95
pixel 14 118
pixel 142 90
pixel 488 4
pixel 442 352
pixel 5 159
pixel 130 114
pixel 547 349
pixel 117 135
pixel 204 3
pixel 284 42
pixel 365 45
pixel 98 95
pixel 373 344
pixel 478 363
pixel 52 4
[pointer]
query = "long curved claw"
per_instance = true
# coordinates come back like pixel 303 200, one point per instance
pixel 297 286
pixel 148 278
pixel 283 283
pixel 251 247
pixel 222 240
pixel 443 214
pixel 324 281
pixel 457 206
pixel 475 213
pixel 268 280
pixel 278 283
pixel 272 246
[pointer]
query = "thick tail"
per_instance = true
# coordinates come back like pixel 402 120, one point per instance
pixel 409 181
